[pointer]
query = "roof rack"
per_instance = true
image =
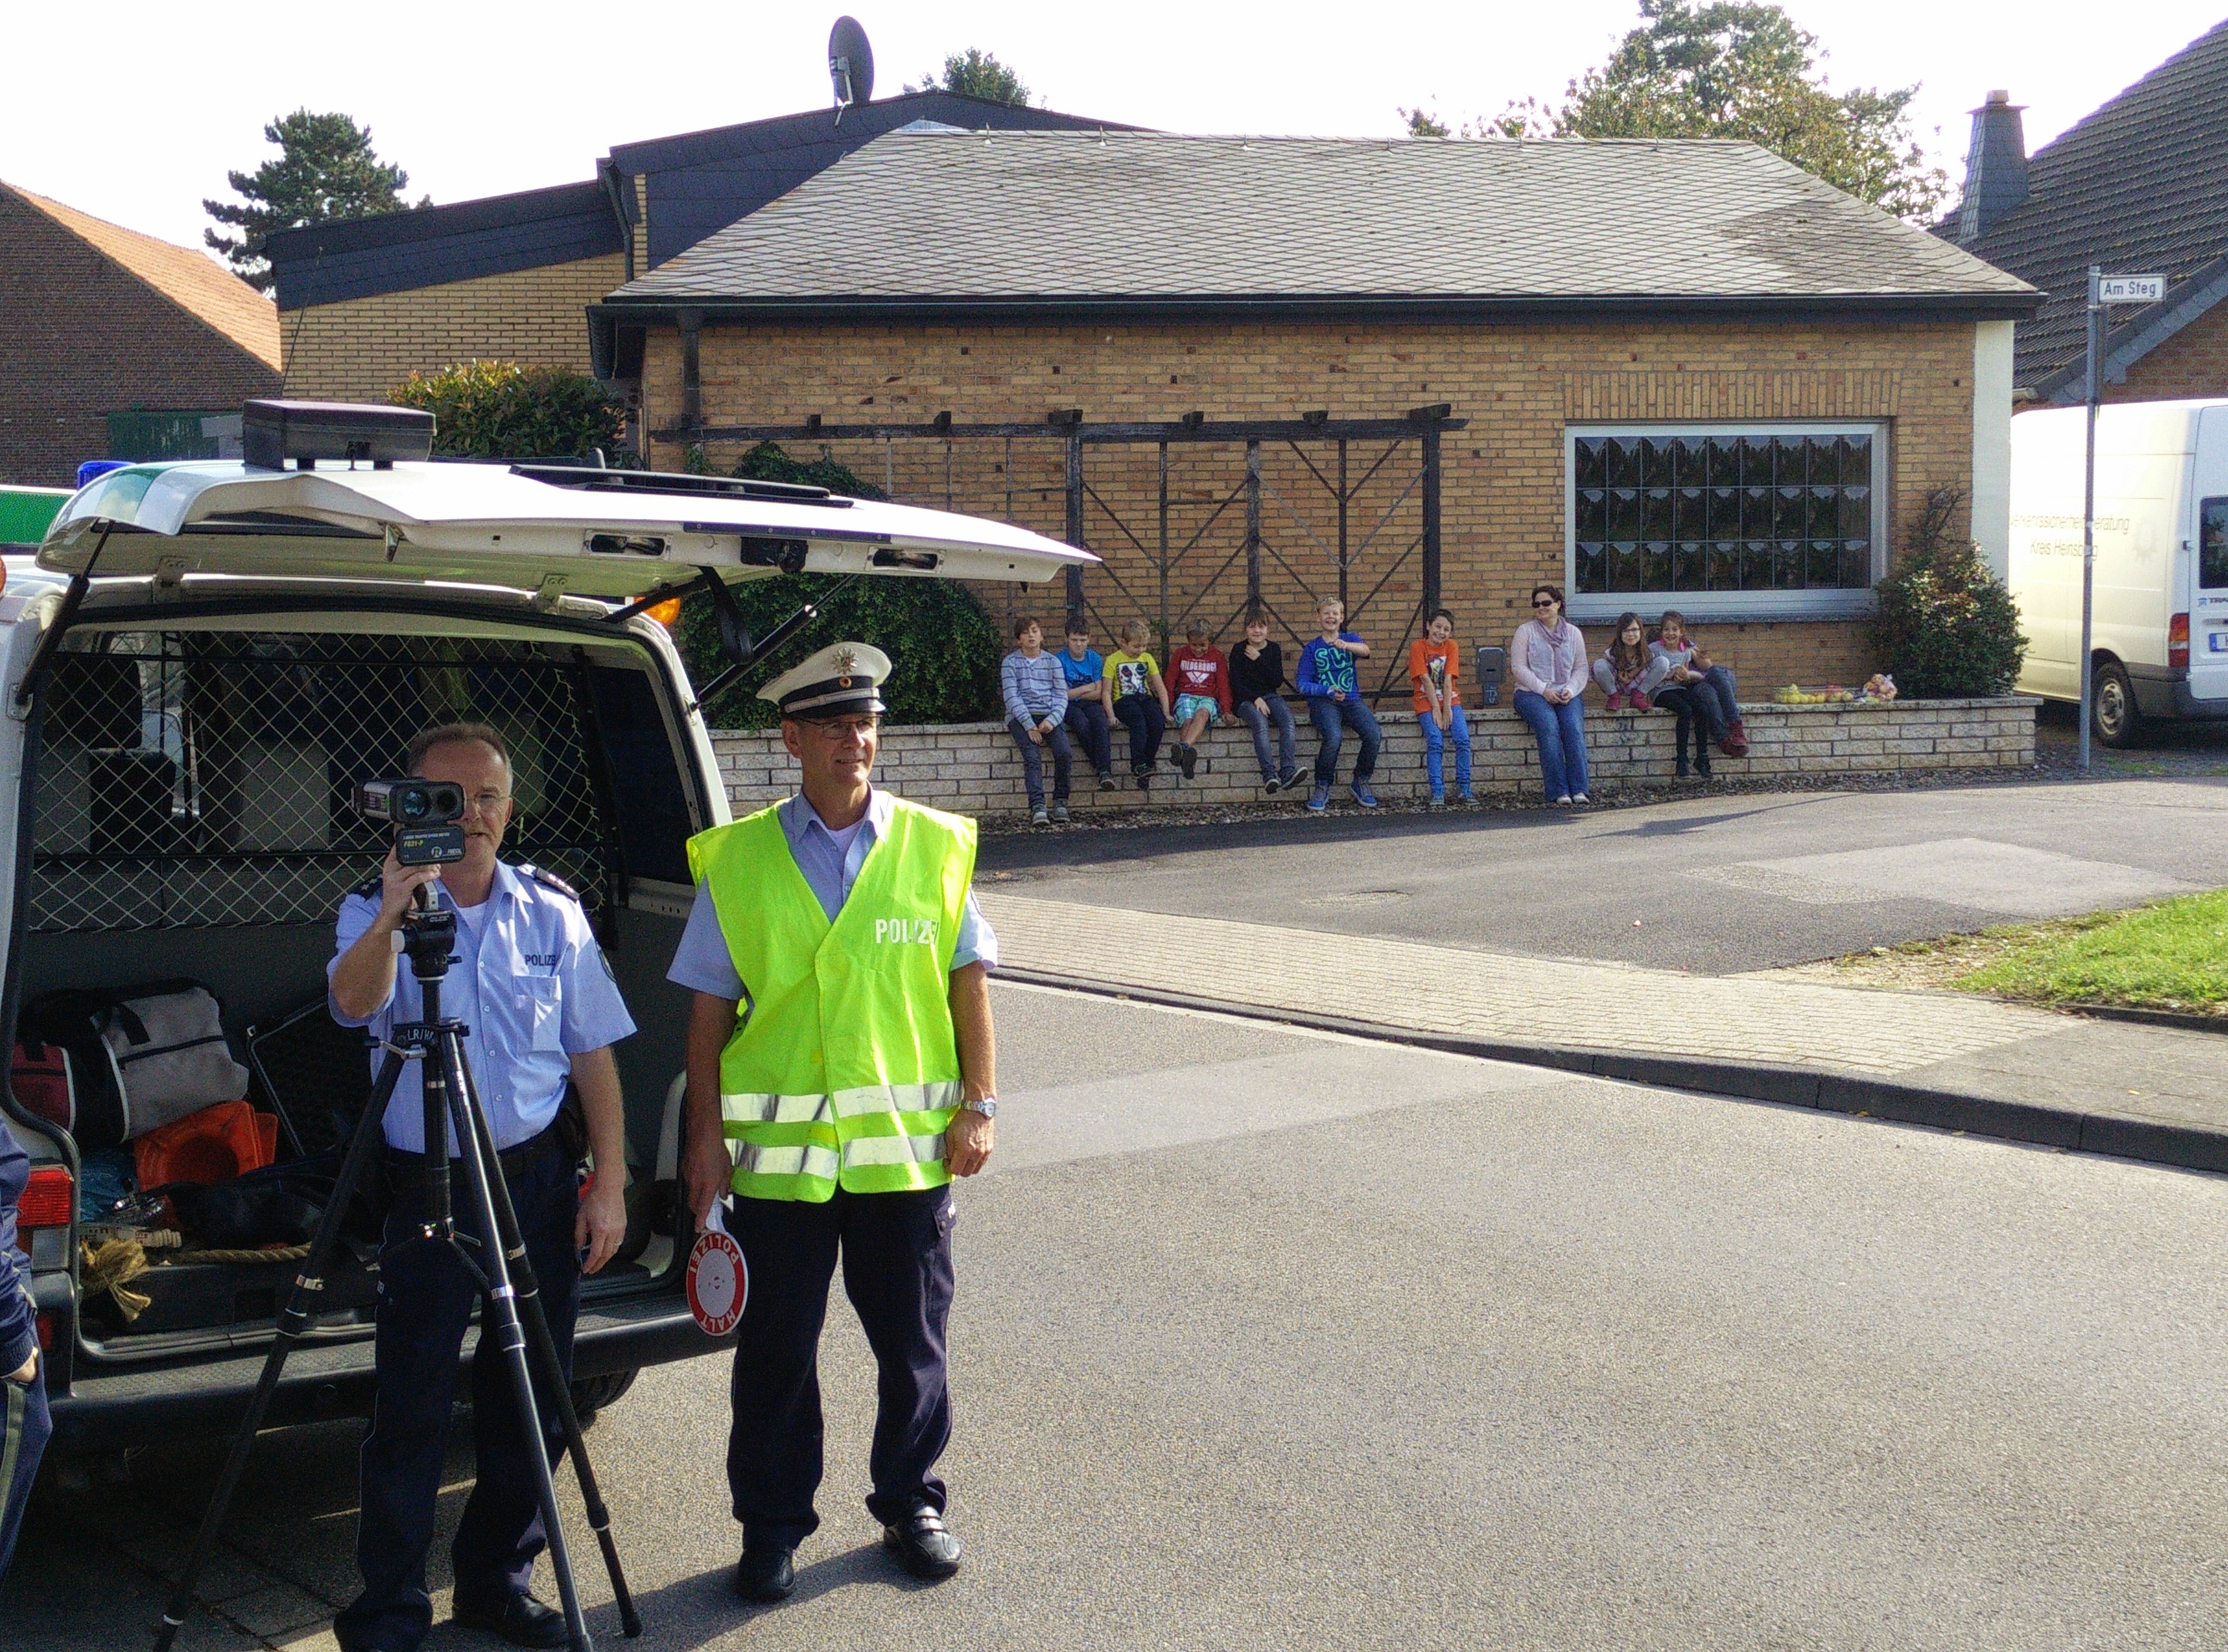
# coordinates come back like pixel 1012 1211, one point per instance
pixel 588 479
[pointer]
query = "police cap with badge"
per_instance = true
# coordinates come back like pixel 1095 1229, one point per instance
pixel 842 680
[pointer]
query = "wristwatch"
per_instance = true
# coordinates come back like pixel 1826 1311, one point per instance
pixel 988 1107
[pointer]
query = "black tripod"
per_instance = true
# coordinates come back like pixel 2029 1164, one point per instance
pixel 512 1312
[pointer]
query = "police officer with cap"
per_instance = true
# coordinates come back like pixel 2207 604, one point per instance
pixel 857 1079
pixel 529 982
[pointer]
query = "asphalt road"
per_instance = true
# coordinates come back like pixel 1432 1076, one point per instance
pixel 1269 1339
pixel 1717 886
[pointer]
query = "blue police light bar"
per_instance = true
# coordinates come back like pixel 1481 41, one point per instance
pixel 272 432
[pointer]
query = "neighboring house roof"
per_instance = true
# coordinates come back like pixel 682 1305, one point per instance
pixel 2139 187
pixel 425 247
pixel 697 184
pixel 930 223
pixel 189 279
pixel 703 182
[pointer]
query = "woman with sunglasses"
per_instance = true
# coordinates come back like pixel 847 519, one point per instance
pixel 1547 659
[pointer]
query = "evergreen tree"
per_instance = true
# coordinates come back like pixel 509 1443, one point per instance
pixel 325 169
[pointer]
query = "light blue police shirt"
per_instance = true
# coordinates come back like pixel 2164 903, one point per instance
pixel 529 982
pixel 830 862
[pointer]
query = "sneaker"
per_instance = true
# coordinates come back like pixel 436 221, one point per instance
pixel 1319 799
pixel 1563 801
pixel 1060 814
pixel 1702 762
pixel 1468 795
pixel 1144 779
pixel 1108 783
pixel 1580 797
pixel 1682 768
pixel 1438 800
pixel 1616 702
pixel 1641 702
pixel 1735 743
pixel 1039 818
pixel 1289 778
pixel 1365 797
pixel 1187 760
pixel 1271 784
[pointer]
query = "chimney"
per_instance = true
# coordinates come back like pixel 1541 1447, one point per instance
pixel 1996 168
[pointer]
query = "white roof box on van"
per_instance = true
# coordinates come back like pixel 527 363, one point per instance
pixel 537 527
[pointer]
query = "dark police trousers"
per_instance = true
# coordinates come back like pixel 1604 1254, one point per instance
pixel 897 1270
pixel 24 1427
pixel 426 1298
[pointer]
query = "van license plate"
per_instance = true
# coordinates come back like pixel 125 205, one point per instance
pixel 2217 643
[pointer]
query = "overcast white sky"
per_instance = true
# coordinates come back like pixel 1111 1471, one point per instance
pixel 138 116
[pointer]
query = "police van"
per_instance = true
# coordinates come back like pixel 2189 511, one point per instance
pixel 201 660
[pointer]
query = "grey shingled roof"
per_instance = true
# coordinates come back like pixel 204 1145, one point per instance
pixel 1093 222
pixel 2140 187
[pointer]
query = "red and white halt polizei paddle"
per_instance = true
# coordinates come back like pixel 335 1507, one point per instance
pixel 718 1281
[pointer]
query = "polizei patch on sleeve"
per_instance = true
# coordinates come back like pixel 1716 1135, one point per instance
pixel 907 931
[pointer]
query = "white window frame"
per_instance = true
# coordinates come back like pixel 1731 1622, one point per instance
pixel 1718 606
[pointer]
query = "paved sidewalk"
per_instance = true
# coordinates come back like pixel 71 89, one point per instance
pixel 1928 1057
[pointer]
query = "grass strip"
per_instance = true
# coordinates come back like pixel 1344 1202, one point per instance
pixel 2172 955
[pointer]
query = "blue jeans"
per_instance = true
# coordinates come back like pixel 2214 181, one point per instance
pixel 25 1425
pixel 1142 716
pixel 1435 749
pixel 1287 759
pixel 1718 680
pixel 1055 740
pixel 1332 718
pixel 1086 722
pixel 1561 733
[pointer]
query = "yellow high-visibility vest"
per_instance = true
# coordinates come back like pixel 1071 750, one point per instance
pixel 845 1069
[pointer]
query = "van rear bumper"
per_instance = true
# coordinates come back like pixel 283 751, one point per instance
pixel 2163 692
pixel 109 1408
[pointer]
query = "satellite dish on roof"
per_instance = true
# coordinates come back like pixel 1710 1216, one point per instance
pixel 850 64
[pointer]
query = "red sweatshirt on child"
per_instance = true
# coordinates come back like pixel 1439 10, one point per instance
pixel 1201 670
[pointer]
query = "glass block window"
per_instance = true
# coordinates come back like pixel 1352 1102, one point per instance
pixel 1735 512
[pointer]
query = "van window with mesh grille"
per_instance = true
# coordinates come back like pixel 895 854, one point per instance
pixel 201 779
pixel 2213 546
pixel 1724 510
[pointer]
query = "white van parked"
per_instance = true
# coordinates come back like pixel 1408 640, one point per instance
pixel 2159 627
pixel 200 663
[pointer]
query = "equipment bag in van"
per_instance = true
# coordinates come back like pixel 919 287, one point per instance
pixel 44 1082
pixel 144 1055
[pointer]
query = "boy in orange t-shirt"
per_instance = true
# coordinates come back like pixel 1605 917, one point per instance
pixel 1434 664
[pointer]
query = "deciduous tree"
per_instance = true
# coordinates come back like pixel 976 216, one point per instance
pixel 976 74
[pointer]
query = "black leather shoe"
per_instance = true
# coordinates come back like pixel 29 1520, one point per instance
pixel 922 1545
pixel 522 1620
pixel 766 1573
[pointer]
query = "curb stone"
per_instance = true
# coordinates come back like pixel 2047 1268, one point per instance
pixel 2187 1147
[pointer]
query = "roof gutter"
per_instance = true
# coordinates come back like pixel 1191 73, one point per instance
pixel 1881 307
pixel 2205 287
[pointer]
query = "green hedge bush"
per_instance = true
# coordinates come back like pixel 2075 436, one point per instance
pixel 944 648
pixel 503 410
pixel 1946 627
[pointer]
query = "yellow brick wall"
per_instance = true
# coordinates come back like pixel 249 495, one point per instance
pixel 1503 506
pixel 360 349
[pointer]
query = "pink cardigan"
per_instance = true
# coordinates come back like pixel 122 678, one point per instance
pixel 1538 664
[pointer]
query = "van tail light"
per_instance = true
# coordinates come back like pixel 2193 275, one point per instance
pixel 2177 640
pixel 49 1198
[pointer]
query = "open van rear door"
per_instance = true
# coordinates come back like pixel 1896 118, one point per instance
pixel 555 529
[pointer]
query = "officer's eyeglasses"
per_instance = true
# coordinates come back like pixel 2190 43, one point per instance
pixel 841 728
pixel 487 803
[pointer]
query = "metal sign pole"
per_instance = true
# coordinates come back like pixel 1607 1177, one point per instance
pixel 2089 499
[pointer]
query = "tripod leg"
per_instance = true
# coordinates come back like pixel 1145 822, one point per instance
pixel 295 1320
pixel 536 1313
pixel 501 1321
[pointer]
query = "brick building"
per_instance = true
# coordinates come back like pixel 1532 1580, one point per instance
pixel 2139 186
pixel 114 344
pixel 369 301
pixel 1661 373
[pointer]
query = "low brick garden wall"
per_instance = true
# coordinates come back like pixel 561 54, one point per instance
pixel 973 769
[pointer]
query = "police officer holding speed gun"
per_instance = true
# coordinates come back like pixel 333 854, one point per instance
pixel 530 983
pixel 841 1070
